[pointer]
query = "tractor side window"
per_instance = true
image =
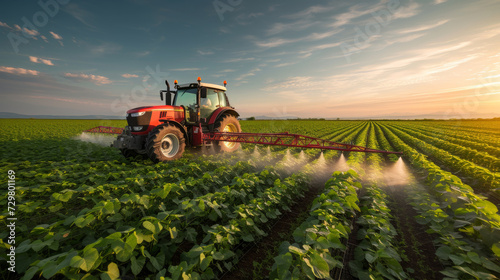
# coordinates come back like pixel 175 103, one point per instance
pixel 209 104
pixel 222 99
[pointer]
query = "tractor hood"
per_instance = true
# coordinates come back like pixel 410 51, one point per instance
pixel 152 108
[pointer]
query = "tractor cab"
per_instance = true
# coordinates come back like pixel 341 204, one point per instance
pixel 212 97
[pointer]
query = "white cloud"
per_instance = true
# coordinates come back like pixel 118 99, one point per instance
pixel 285 64
pixel 249 74
pixel 240 59
pixel 18 28
pixel 295 26
pixel 44 38
pixel 41 60
pixel 106 48
pixel 311 11
pixel 423 27
pixel 25 30
pixel 98 80
pixel 130 76
pixel 205 52
pixel 276 42
pixel 18 71
pixel 56 36
pixel 407 12
pixel 437 2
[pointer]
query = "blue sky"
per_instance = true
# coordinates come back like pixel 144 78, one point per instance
pixel 324 58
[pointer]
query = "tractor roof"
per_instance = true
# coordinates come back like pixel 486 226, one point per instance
pixel 214 86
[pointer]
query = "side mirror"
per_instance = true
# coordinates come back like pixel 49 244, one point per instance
pixel 203 93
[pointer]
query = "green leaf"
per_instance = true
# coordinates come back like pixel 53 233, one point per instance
pixel 173 232
pixel 487 207
pixel 112 274
pixel 248 237
pixel 82 221
pixel 443 252
pixel 490 265
pixel 205 262
pixel 218 256
pixel 320 267
pixel 496 249
pixel 457 260
pixel 296 250
pixel 86 263
pixel 467 270
pixel 283 263
pixel 191 234
pixel 30 273
pixel 370 258
pixel 149 226
pixel 137 264
pixel 473 256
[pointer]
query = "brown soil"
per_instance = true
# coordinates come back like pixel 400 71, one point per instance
pixel 281 231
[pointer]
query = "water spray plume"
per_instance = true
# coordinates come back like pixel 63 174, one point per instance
pixel 302 156
pixel 321 159
pixel 256 152
pixel 100 139
pixel 397 174
pixel 341 164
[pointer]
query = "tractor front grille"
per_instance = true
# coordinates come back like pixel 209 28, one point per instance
pixel 143 120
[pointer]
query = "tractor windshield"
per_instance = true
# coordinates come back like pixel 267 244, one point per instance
pixel 186 97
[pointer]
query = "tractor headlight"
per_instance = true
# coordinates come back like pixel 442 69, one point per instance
pixel 137 128
pixel 138 114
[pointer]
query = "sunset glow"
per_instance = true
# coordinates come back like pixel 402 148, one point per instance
pixel 328 59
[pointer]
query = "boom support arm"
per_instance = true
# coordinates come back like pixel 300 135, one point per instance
pixel 288 140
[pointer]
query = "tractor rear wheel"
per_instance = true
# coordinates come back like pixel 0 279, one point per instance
pixel 165 142
pixel 227 123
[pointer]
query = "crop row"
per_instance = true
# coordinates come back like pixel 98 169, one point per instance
pixel 480 158
pixel 464 139
pixel 375 256
pixel 320 239
pixel 483 175
pixel 454 210
pixel 143 219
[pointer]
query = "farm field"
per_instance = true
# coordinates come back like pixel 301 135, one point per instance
pixel 85 212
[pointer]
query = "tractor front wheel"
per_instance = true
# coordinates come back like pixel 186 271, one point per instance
pixel 165 142
pixel 227 123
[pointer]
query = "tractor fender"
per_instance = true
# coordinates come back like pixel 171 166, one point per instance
pixel 219 113
pixel 180 126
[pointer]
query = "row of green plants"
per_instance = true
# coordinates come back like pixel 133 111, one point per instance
pixel 482 175
pixel 376 256
pixel 467 224
pixel 157 228
pixel 478 157
pixel 465 139
pixel 47 199
pixel 319 241
pixel 217 248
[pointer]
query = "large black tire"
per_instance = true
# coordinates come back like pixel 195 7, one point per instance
pixel 165 142
pixel 227 123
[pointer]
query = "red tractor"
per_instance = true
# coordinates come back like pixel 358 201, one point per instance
pixel 199 114
pixel 162 132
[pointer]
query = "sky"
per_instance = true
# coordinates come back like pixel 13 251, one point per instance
pixel 309 59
